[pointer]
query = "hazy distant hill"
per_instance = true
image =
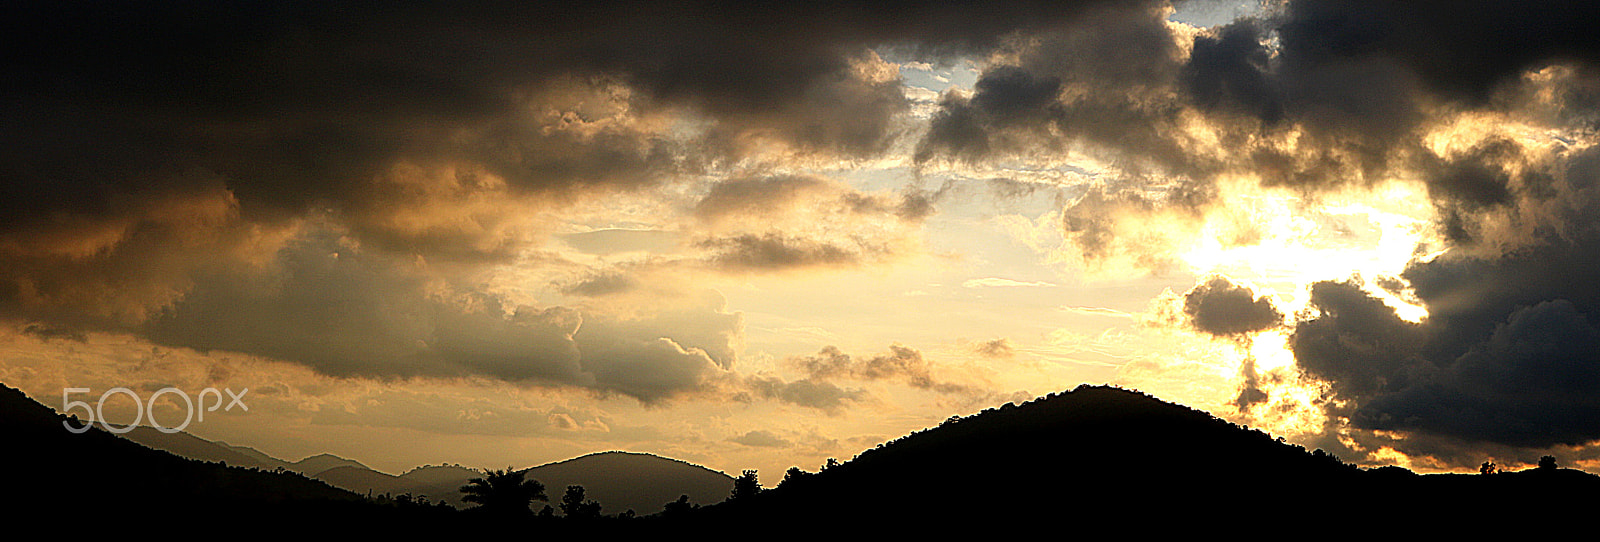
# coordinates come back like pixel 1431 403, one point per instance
pixel 186 445
pixel 641 482
pixel 311 466
pixel 618 480
pixel 364 481
pixel 437 483
pixel 440 475
pixel 192 447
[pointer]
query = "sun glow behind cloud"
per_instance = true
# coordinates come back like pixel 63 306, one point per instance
pixel 1284 242
pixel 1280 243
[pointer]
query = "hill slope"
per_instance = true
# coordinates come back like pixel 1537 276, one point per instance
pixel 183 444
pixel 1106 460
pixel 62 478
pixel 618 480
pixel 622 481
pixel 186 445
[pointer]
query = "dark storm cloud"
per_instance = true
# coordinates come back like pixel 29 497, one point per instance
pixel 1220 307
pixel 1495 179
pixel 1509 353
pixel 1357 343
pixel 1352 83
pixel 1458 50
pixel 1122 89
pixel 1533 382
pixel 1105 82
pixel 1355 76
pixel 1230 69
pixel 302 102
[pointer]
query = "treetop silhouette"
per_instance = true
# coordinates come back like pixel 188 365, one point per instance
pixel 575 507
pixel 503 492
pixel 745 486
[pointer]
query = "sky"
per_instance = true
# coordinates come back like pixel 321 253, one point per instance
pixel 507 234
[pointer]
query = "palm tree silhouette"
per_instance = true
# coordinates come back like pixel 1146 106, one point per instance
pixel 503 492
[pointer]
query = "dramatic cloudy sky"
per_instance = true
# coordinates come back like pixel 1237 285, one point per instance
pixel 506 234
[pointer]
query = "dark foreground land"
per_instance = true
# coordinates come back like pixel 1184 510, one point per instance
pixel 1095 461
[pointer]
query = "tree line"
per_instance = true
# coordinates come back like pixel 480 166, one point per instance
pixel 508 493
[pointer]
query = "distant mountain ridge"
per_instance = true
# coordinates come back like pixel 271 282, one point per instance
pixel 641 482
pixel 193 447
pixel 618 480
pixel 63 478
pixel 186 445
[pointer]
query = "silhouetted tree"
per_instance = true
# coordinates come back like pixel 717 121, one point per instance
pixel 1488 467
pixel 503 492
pixel 547 512
pixel 628 514
pixel 1326 457
pixel 830 464
pixel 573 505
pixel 745 486
pixel 678 507
pixel 793 474
pixel 1547 462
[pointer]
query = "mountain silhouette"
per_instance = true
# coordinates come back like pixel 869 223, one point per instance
pixel 61 478
pixel 620 481
pixel 365 481
pixel 1110 462
pixel 186 445
pixel 438 483
pixel 311 466
pixel 640 482
pixel 1096 461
